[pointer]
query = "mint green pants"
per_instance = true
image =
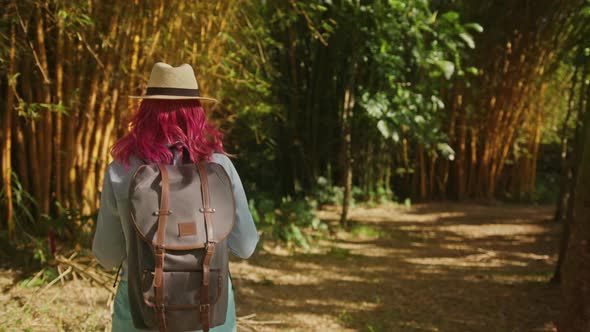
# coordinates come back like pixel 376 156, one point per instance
pixel 122 321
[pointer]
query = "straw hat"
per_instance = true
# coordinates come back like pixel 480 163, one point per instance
pixel 167 82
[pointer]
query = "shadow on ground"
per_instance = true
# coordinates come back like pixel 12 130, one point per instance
pixel 434 267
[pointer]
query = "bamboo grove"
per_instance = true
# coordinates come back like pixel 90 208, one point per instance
pixel 68 67
pixel 385 99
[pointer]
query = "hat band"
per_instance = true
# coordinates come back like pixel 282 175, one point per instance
pixel 172 92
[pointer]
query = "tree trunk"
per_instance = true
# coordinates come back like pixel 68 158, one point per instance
pixel 347 155
pixel 565 174
pixel 7 137
pixel 575 315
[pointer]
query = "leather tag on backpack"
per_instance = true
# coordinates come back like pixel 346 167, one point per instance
pixel 187 228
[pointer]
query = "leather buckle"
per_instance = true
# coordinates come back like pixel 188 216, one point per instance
pixel 209 244
pixel 162 212
pixel 204 307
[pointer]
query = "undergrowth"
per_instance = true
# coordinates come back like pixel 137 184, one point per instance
pixel 290 220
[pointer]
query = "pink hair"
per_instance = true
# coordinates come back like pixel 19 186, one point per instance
pixel 159 122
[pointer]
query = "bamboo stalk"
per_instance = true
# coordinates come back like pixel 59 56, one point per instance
pixel 57 138
pixel 7 136
pixel 46 130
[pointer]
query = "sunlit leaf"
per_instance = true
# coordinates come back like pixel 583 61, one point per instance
pixel 447 67
pixel 451 16
pixel 433 17
pixel 472 70
pixel 474 26
pixel 446 151
pixel 467 39
pixel 383 128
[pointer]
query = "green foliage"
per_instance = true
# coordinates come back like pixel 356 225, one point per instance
pixel 546 188
pixel 41 252
pixel 33 110
pixel 410 53
pixel 290 220
pixel 24 205
pixel 365 231
pixel 338 252
pixel 66 223
pixel 408 203
pixel 71 223
pixel 44 276
pixel 345 317
pixel 374 197
pixel 325 192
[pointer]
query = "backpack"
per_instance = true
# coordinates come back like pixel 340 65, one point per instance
pixel 178 258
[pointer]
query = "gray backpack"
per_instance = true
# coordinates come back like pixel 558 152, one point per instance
pixel 178 256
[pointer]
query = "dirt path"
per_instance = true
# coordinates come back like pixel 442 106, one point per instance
pixel 436 267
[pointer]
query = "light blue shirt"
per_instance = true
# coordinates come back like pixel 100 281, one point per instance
pixel 110 245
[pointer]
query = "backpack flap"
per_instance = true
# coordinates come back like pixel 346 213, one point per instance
pixel 185 227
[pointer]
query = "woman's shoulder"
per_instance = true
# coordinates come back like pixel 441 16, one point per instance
pixel 222 159
pixel 118 170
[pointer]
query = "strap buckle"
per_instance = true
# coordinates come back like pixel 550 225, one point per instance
pixel 159 250
pixel 162 212
pixel 209 244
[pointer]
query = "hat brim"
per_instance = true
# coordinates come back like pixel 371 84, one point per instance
pixel 173 97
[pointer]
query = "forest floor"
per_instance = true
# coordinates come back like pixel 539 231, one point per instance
pixel 433 267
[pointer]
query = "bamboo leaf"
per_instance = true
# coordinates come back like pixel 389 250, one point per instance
pixel 383 128
pixel 474 26
pixel 446 151
pixel 447 67
pixel 467 39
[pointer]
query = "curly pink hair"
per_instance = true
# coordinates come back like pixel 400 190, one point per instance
pixel 159 122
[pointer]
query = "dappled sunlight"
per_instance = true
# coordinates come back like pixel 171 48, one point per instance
pixel 476 260
pixel 395 165
pixel 330 323
pixel 480 231
pixel 520 279
pixel 264 275
pixel 429 268
pixel 420 232
pixel 413 272
pixel 547 327
pixel 386 213
pixel 455 246
pixel 420 326
pixel 532 256
pixel 379 252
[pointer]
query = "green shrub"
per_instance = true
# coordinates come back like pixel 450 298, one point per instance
pixel 546 188
pixel 327 193
pixel 289 220
pixel 24 206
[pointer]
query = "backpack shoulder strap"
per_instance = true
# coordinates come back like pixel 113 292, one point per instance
pixel 159 248
pixel 205 306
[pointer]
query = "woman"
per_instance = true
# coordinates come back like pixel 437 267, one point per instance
pixel 170 127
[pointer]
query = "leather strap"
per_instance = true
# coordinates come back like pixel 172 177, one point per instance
pixel 205 306
pixel 206 210
pixel 159 249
